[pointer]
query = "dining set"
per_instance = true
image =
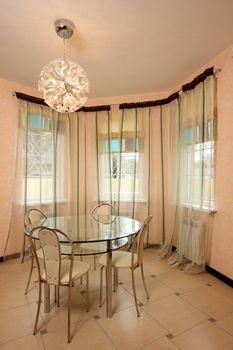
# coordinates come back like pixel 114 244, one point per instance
pixel 59 244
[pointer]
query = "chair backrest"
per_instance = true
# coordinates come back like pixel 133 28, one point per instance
pixel 104 213
pixel 138 241
pixel 34 218
pixel 49 240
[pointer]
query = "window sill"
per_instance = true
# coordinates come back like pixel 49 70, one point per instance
pixel 48 202
pixel 197 208
pixel 125 200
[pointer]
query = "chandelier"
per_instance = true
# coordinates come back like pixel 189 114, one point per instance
pixel 64 84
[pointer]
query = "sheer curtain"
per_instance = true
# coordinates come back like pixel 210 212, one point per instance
pixel 195 185
pixel 129 157
pixel 115 163
pixel 142 159
pixel 42 175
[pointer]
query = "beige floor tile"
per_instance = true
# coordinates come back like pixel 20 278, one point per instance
pixel 13 277
pixel 86 335
pixel 10 298
pixel 150 253
pixel 208 300
pixel 222 288
pixel 17 322
pixel 31 342
pixel 205 336
pixel 182 282
pixel 127 331
pixel 156 289
pixel 121 299
pixel 226 323
pixel 205 278
pixel 125 328
pixel 57 317
pixel 157 266
pixel 125 274
pixel 161 344
pixel 175 314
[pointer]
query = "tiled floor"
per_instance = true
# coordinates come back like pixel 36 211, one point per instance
pixel 186 312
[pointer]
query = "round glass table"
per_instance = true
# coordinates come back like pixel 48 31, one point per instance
pixel 109 236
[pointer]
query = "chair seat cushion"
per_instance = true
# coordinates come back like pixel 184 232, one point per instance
pixel 80 268
pixel 120 259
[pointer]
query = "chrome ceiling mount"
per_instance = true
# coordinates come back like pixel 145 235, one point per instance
pixel 64 28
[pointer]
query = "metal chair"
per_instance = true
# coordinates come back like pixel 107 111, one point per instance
pixel 57 271
pixel 131 260
pixel 103 213
pixel 34 218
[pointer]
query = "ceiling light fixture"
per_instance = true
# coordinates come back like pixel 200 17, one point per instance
pixel 64 84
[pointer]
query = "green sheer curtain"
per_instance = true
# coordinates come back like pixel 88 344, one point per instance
pixel 194 164
pixel 156 160
pixel 115 163
pixel 67 164
pixel 43 167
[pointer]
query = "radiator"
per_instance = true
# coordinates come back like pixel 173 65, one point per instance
pixel 191 241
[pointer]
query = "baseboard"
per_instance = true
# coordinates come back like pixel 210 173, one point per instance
pixel 220 276
pixel 12 256
pixel 215 273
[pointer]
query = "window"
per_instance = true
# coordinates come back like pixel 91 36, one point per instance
pixel 199 172
pixel 38 161
pixel 119 164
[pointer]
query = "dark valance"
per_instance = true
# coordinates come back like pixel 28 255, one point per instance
pixel 198 79
pixel 164 101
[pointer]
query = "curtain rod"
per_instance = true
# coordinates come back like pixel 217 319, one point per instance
pixel 40 101
pixel 201 77
pixel 189 86
pixel 186 87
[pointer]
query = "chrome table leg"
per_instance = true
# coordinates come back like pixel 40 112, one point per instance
pixel 109 279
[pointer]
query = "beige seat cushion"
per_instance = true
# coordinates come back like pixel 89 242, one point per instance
pixel 120 259
pixel 80 268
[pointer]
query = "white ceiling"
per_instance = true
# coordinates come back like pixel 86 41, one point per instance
pixel 125 46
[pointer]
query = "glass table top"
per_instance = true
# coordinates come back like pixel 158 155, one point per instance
pixel 83 229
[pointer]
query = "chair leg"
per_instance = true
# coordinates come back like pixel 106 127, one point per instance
pixel 144 283
pixel 115 279
pixel 134 292
pixel 69 302
pixel 87 292
pixel 81 259
pixel 58 295
pixel 101 285
pixel 38 310
pixel 94 262
pixel 55 294
pixel 30 275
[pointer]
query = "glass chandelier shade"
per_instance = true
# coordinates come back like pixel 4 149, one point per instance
pixel 64 85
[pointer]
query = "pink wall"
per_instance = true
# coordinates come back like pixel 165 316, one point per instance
pixel 221 241
pixel 221 257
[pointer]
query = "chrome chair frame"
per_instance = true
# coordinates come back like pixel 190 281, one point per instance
pixel 96 246
pixel 30 224
pixel 136 261
pixel 49 277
